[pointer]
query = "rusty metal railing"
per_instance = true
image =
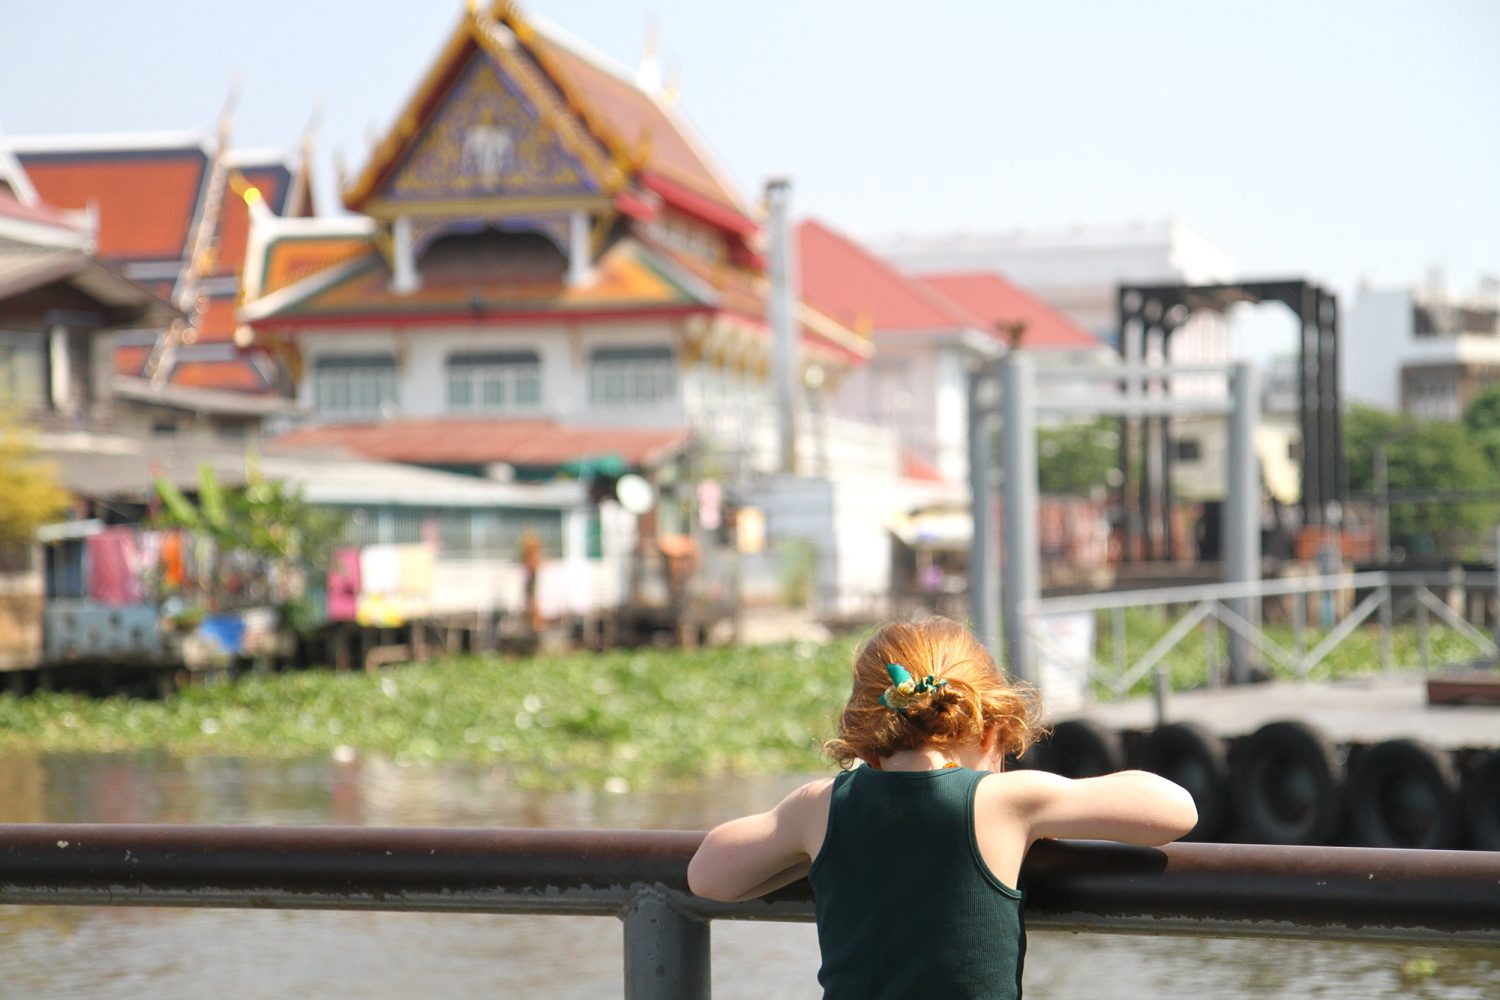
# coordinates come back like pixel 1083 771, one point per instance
pixel 640 877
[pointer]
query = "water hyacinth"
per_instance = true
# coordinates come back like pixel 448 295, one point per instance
pixel 619 720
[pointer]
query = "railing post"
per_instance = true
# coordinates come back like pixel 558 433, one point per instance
pixel 1496 623
pixel 1020 586
pixel 1241 530
pixel 984 553
pixel 1422 648
pixel 666 949
pixel 1387 598
pixel 1299 625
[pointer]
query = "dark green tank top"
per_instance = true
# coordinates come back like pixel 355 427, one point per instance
pixel 905 905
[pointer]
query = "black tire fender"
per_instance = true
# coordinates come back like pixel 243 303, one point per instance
pixel 1083 748
pixel 1287 785
pixel 1481 801
pixel 1404 793
pixel 1196 759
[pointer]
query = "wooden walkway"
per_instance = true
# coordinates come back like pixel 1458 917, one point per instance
pixel 1355 710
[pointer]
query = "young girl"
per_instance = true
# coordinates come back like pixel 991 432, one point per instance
pixel 915 858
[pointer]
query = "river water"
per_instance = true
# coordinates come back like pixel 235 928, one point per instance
pixel 108 952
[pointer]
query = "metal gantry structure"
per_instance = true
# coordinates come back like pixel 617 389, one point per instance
pixel 1148 316
pixel 1004 402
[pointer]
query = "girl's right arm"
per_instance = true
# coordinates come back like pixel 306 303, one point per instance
pixel 748 857
pixel 1134 807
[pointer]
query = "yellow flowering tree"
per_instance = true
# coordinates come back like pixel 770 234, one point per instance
pixel 30 495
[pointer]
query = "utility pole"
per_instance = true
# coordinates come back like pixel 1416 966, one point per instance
pixel 783 321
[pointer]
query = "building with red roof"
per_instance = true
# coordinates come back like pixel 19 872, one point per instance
pixel 1019 317
pixel 58 303
pixel 170 212
pixel 544 252
pixel 929 331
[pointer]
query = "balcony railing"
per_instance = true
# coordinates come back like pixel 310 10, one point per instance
pixel 640 876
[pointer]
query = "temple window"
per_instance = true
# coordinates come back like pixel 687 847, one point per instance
pixel 23 370
pixel 354 387
pixel 495 382
pixel 632 376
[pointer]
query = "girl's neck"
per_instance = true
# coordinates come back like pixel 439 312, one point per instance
pixel 929 759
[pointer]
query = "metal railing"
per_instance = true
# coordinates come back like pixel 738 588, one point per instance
pixel 640 877
pixel 1391 598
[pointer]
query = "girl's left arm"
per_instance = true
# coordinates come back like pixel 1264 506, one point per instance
pixel 753 855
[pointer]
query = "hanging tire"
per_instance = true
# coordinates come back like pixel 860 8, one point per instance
pixel 1404 793
pixel 1481 802
pixel 1195 758
pixel 1286 785
pixel 1083 748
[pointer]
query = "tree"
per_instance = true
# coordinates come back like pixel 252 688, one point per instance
pixel 1482 420
pixel 264 522
pixel 1430 457
pixel 1078 458
pixel 1483 412
pixel 30 495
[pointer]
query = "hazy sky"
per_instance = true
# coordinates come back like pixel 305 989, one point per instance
pixel 1334 139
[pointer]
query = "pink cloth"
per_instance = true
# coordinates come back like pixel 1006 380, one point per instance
pixel 114 567
pixel 343 585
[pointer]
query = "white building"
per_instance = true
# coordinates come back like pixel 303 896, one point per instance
pixel 1078 268
pixel 1423 350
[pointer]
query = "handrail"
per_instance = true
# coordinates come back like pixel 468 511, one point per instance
pixel 1256 588
pixel 1238 889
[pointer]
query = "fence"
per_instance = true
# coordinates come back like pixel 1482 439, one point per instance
pixel 1390 598
pixel 640 876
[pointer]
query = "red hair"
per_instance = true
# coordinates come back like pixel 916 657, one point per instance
pixel 976 697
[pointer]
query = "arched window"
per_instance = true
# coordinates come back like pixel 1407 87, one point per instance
pixel 494 382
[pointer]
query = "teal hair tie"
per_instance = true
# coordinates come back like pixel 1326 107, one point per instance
pixel 903 690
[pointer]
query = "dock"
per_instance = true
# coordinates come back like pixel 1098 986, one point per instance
pixel 1367 709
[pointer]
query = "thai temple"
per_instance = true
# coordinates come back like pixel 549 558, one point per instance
pixel 544 275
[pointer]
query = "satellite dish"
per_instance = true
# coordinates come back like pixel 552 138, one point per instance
pixel 635 494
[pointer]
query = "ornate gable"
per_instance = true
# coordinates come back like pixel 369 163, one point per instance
pixel 485 143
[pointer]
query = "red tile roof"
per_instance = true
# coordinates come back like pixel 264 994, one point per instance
pixel 130 359
pixel 216 323
pixel 743 292
pixel 146 198
pixel 636 116
pixel 229 375
pixel 997 301
pixel 844 280
pixel 477 441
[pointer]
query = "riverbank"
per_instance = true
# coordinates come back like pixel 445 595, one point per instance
pixel 597 720
pixel 615 720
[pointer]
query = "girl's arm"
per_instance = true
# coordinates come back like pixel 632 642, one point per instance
pixel 1134 807
pixel 753 855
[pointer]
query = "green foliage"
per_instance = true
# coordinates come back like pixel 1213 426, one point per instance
pixel 1427 455
pixel 30 495
pixel 1077 459
pixel 1483 412
pixel 574 720
pixel 264 518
